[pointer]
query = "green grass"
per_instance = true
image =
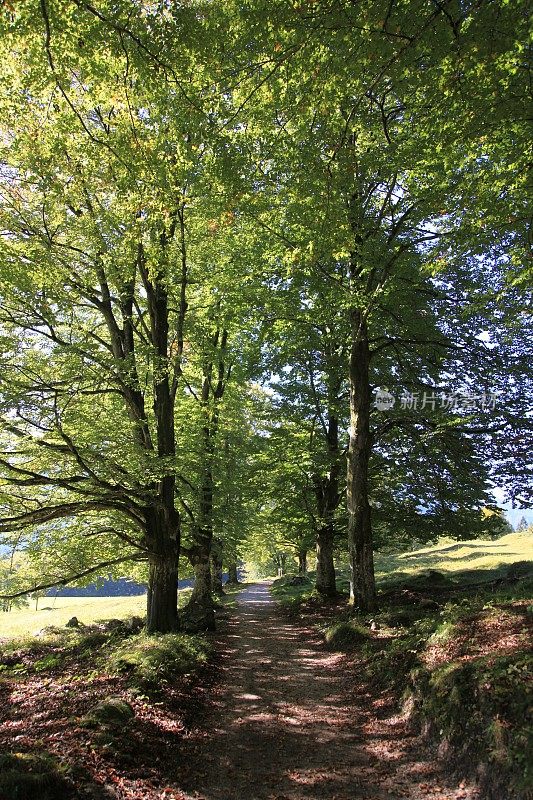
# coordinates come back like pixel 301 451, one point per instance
pixel 457 560
pixel 474 698
pixel 458 563
pixel 290 598
pixel 147 663
pixel 57 612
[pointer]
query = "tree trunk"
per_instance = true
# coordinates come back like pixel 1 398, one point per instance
pixel 199 613
pixel 302 562
pixel 163 539
pixel 162 612
pixel 363 589
pixel 233 576
pixel 325 569
pixel 216 567
pixel 327 499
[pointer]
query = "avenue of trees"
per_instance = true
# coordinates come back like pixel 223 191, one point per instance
pixel 223 228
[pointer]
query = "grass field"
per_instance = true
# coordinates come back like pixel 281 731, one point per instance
pixel 458 559
pixel 479 560
pixel 58 610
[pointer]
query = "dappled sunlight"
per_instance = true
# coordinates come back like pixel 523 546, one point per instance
pixel 288 725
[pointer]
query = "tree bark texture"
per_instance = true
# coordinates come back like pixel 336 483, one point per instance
pixel 162 537
pixel 233 575
pixel 325 568
pixel 363 590
pixel 216 566
pixel 327 500
pixel 199 613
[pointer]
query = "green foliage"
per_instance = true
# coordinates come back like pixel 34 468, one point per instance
pixel 47 662
pixel 158 188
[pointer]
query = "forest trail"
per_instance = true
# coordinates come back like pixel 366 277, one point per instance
pixel 291 723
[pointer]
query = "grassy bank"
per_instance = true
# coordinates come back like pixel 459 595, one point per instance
pixel 459 564
pixel 461 671
pixel 88 708
pixel 450 646
pixel 478 560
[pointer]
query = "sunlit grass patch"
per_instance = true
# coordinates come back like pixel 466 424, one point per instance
pixel 291 591
pixel 455 560
pixel 57 611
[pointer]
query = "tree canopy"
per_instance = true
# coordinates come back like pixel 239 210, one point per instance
pixel 224 227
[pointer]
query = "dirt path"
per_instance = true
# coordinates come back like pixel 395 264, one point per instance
pixel 290 723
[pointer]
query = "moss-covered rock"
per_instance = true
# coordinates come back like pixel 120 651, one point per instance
pixel 111 712
pixel 346 636
pixel 31 776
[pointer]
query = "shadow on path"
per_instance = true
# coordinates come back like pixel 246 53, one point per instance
pixel 285 726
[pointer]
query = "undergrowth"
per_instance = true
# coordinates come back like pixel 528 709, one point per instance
pixel 147 662
pixel 468 693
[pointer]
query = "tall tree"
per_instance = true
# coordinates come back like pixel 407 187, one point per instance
pixel 99 215
pixel 364 177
